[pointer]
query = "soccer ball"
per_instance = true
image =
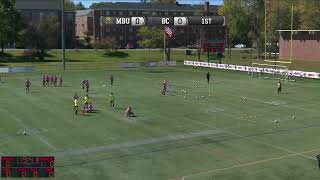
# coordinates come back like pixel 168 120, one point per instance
pixel 275 121
pixel 24 133
pixel 209 95
pixel 293 117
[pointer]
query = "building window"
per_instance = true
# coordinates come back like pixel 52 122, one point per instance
pixel 130 13
pixel 107 13
pixel 120 13
pixel 130 29
pixel 181 13
pixel 154 13
pixel 120 37
pixel 166 13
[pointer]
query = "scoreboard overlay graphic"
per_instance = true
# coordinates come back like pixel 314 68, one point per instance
pixel 27 167
pixel 164 21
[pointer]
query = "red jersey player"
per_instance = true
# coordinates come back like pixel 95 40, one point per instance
pixel 60 81
pixel 55 80
pixel 43 80
pixel 164 85
pixel 47 80
pixel 51 80
pixel 28 84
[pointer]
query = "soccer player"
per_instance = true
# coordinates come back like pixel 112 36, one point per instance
pixel 90 108
pixel 164 86
pixel 75 96
pixel 43 81
pixel 86 101
pixel 83 82
pixel 279 87
pixel 51 80
pixel 28 84
pixel 76 105
pixel 55 80
pixel 87 86
pixel 111 79
pixel 60 81
pixel 47 80
pixel 129 112
pixel 112 99
pixel 208 77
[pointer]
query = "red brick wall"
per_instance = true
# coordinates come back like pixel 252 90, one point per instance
pixel 305 46
pixel 83 25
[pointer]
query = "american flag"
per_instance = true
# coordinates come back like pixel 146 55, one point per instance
pixel 168 31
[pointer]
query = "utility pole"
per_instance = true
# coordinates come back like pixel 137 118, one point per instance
pixel 62 36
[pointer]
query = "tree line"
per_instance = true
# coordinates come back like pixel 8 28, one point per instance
pixel 246 19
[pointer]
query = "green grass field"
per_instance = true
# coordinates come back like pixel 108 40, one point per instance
pixel 177 136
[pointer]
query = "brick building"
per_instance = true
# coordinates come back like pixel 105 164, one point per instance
pixel 32 10
pixel 84 23
pixel 183 36
pixel 305 44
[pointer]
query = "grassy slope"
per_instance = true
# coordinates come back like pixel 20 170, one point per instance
pixel 245 129
pixel 80 57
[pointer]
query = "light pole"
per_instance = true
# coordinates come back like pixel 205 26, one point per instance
pixel 62 36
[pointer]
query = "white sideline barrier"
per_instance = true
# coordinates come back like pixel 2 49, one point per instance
pixel 4 70
pixel 293 73
pixel 26 69
pixel 149 64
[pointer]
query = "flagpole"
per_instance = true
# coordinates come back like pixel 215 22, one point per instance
pixel 164 44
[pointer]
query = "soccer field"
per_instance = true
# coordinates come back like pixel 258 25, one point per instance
pixel 222 130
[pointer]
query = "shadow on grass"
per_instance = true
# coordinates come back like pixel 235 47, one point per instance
pixel 22 58
pixel 117 54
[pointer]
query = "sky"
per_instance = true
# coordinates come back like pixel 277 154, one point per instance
pixel 87 3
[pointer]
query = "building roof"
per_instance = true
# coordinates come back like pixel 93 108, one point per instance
pixel 87 12
pixel 152 6
pixel 38 4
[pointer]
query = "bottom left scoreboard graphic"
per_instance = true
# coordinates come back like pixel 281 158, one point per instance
pixel 27 167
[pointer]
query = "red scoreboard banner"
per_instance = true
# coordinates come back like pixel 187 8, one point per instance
pixel 27 167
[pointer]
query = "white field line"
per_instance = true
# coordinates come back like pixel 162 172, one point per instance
pixel 248 164
pixel 136 143
pixel 25 126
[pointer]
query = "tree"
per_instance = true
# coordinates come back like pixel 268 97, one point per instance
pixel 69 5
pixel 164 1
pixel 108 44
pixel 9 23
pixel 41 35
pixel 152 37
pixel 200 34
pixel 98 5
pixel 79 6
pixel 87 39
pixel 238 20
pixel 310 14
